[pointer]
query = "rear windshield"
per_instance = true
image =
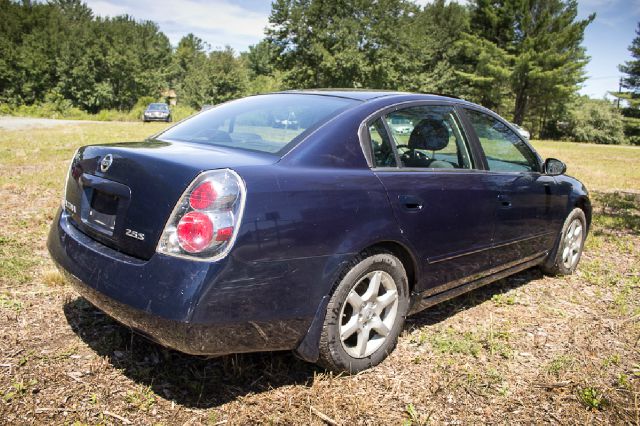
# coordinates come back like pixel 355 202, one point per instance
pixel 267 123
pixel 157 107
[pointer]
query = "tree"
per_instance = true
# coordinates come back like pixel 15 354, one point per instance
pixel 260 58
pixel 595 120
pixel 262 75
pixel 484 70
pixel 435 47
pixel 59 50
pixel 190 53
pixel 341 43
pixel 631 82
pixel 632 68
pixel 543 39
pixel 215 78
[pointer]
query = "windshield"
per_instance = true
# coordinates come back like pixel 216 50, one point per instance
pixel 157 107
pixel 266 123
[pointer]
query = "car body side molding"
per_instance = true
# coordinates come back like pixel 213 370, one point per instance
pixel 431 297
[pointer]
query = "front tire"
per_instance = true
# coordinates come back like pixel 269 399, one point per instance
pixel 565 257
pixel 365 313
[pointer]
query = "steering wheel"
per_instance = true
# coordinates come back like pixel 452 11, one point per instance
pixel 414 156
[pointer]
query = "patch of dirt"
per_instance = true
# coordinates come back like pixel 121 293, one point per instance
pixel 22 123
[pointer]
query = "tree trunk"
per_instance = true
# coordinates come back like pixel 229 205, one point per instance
pixel 522 102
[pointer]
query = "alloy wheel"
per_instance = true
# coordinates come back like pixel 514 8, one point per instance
pixel 572 247
pixel 368 314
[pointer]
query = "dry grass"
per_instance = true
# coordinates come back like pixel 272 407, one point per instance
pixel 528 349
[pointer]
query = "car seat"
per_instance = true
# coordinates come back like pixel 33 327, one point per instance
pixel 428 135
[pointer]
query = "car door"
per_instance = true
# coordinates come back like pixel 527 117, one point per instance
pixel 443 204
pixel 526 222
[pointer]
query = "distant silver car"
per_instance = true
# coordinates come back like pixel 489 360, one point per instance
pixel 523 132
pixel 157 112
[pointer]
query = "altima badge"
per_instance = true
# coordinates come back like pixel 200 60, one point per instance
pixel 106 163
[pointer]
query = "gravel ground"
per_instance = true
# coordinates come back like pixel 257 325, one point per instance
pixel 20 123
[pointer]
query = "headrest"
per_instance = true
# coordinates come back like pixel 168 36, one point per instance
pixel 429 134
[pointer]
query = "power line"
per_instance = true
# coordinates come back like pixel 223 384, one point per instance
pixel 607 77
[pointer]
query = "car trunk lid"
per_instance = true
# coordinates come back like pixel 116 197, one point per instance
pixel 122 194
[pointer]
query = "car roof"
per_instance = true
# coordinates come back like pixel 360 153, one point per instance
pixel 367 94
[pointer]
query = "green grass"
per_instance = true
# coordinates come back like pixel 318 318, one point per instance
pixel 600 167
pixel 50 110
pixel 560 365
pixel 452 342
pixel 39 157
pixel 592 398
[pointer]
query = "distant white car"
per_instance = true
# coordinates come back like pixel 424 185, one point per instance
pixel 523 132
pixel 401 126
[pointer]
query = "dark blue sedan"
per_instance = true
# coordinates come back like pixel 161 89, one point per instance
pixel 313 221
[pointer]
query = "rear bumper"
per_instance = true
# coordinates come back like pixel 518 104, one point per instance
pixel 195 339
pixel 195 307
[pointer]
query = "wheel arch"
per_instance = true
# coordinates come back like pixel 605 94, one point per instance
pixel 403 253
pixel 308 347
pixel 584 204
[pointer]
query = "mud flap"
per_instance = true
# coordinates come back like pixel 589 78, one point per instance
pixel 308 349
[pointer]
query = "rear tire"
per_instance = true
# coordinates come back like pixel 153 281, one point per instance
pixel 365 313
pixel 564 258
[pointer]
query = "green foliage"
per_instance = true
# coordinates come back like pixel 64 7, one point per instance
pixel 596 121
pixel 342 43
pixel 436 48
pixel 631 128
pixel 214 78
pixel 592 398
pixel 450 341
pixel 631 98
pixel 523 59
pixel 632 68
pixel 485 69
pixel 180 112
pixel 260 58
pixel 202 78
pixel 57 53
pixel 142 103
pixel 262 75
pixel 536 45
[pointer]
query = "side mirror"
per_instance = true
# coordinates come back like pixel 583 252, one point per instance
pixel 554 167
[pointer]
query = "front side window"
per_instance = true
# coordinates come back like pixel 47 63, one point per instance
pixel 266 123
pixel 426 137
pixel 504 150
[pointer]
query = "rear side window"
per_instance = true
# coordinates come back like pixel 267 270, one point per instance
pixel 269 123
pixel 423 137
pixel 382 151
pixel 505 151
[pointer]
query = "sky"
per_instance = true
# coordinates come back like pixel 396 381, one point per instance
pixel 241 23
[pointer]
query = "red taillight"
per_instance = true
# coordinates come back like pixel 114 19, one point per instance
pixel 203 196
pixel 205 221
pixel 195 232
